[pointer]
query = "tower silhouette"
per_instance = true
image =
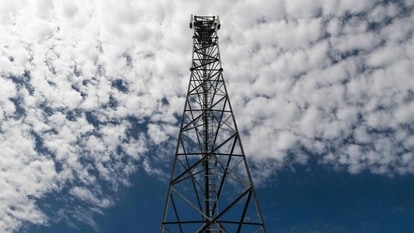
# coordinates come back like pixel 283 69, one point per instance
pixel 210 189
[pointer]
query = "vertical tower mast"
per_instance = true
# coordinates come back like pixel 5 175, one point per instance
pixel 211 189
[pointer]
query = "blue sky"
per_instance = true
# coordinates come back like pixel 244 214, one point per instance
pixel 91 94
pixel 308 199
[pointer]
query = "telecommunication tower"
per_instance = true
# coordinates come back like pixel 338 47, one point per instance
pixel 211 189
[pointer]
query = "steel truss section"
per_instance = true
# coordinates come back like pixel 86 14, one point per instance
pixel 211 189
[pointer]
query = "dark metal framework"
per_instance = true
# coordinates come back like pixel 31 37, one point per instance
pixel 211 189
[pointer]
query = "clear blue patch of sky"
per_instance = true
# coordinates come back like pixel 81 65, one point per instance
pixel 309 198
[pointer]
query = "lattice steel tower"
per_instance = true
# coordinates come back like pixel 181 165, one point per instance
pixel 210 190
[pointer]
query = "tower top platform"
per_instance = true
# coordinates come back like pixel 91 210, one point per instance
pixel 205 22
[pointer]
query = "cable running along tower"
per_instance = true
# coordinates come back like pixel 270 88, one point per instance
pixel 210 190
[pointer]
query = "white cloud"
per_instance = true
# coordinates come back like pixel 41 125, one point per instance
pixel 89 89
pixel 88 196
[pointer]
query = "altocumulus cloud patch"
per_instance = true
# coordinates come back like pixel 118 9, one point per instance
pixel 89 91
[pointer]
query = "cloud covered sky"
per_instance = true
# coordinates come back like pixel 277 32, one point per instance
pixel 91 91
